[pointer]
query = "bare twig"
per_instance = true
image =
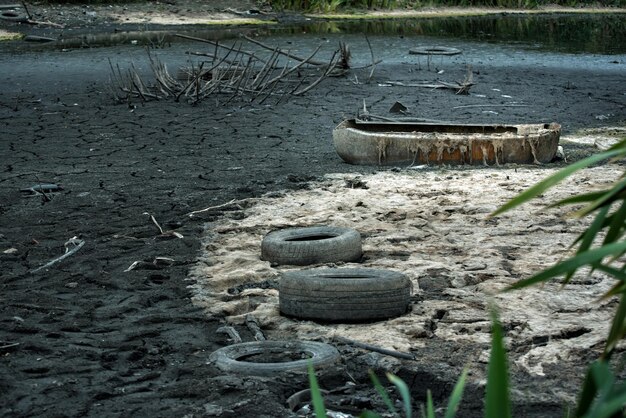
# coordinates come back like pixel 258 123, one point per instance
pixel 7 346
pixel 217 45
pixel 490 105
pixel 77 245
pixel 253 325
pixel 235 338
pixel 154 221
pixel 223 205
pixel 330 68
pixel 30 17
pixel 392 353
pixel 373 60
pixel 285 53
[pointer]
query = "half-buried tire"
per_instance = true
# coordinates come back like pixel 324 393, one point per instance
pixel 269 358
pixel 344 295
pixel 312 245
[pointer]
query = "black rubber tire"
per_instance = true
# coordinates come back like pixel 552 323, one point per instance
pixel 13 16
pixel 312 245
pixel 344 295
pixel 227 358
pixel 434 50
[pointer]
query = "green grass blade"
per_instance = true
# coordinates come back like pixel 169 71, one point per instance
pixel 430 408
pixel 617 225
pixel 618 329
pixel 316 394
pixel 613 272
pixel 603 378
pixel 592 231
pixel 587 395
pixel 619 146
pixel 607 197
pixel 572 264
pixel 617 289
pixel 457 394
pixel 497 403
pixel 589 235
pixel 383 393
pixel 554 179
pixel 405 394
pixel 369 414
pixel 578 199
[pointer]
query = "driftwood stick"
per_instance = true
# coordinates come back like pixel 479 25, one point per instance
pixel 292 69
pixel 77 243
pixel 373 59
pixel 223 205
pixel 154 221
pixel 285 53
pixel 193 38
pixel 330 68
pixel 490 105
pixel 269 93
pixel 301 397
pixel 231 332
pixel 392 353
pixel 253 325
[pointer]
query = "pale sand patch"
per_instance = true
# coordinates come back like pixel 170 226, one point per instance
pixel 433 226
pixel 6 35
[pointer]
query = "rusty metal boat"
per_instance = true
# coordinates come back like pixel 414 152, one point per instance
pixel 395 143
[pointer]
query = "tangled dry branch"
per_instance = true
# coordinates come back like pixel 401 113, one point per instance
pixel 231 72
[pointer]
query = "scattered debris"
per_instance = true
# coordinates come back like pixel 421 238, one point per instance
pixel 392 353
pixel 299 398
pixel 76 245
pixel 253 325
pixel 434 50
pixel 164 234
pixel 462 87
pixel 234 73
pixel 232 202
pixel 40 39
pixel 41 189
pixel 8 347
pixel 235 338
pixel 398 108
pixel 158 263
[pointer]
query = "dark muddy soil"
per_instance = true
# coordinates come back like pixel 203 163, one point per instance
pixel 86 337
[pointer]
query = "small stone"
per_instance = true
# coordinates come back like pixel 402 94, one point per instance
pixel 10 251
pixel 71 285
pixel 458 282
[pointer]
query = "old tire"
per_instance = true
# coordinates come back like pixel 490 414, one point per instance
pixel 344 295
pixel 434 50
pixel 312 245
pixel 13 16
pixel 232 358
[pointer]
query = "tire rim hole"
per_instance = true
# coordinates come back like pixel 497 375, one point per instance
pixel 354 276
pixel 311 238
pixel 275 356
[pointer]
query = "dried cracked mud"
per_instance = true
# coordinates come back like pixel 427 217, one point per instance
pixel 88 336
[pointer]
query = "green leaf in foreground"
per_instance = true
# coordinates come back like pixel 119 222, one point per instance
pixel 430 408
pixel 590 257
pixel 316 394
pixel 457 394
pixel 554 179
pixel 404 393
pixel 604 397
pixel 497 403
pixel 382 392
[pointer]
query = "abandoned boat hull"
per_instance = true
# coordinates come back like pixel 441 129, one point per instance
pixel 395 143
